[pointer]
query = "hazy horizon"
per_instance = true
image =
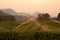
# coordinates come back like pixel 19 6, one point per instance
pixel 50 6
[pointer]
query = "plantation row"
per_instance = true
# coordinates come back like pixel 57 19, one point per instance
pixel 29 36
pixel 30 26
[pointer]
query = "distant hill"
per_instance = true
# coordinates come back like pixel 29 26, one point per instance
pixel 9 11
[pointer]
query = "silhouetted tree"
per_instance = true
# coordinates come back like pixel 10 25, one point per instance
pixel 6 17
pixel 58 16
pixel 47 16
pixel 39 15
pixel 43 17
pixel 13 18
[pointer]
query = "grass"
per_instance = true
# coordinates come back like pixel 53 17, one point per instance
pixel 9 24
pixel 29 31
pixel 51 24
pixel 29 36
pixel 3 30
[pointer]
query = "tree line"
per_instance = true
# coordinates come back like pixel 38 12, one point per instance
pixel 6 16
pixel 41 17
pixel 46 16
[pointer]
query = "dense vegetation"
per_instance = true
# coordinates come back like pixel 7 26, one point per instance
pixel 29 31
pixel 29 36
pixel 33 31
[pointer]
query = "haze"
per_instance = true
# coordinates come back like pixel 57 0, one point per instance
pixel 50 6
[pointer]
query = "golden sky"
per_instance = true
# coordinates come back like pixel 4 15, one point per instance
pixel 50 6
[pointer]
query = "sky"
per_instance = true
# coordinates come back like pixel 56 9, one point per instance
pixel 43 6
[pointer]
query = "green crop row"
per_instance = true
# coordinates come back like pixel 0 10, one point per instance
pixel 29 36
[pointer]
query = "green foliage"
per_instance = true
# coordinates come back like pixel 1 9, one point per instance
pixel 42 36
pixel 12 35
pixel 9 36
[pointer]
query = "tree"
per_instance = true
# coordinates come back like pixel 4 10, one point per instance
pixel 43 17
pixel 9 18
pixel 47 16
pixel 39 15
pixel 6 16
pixel 58 16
